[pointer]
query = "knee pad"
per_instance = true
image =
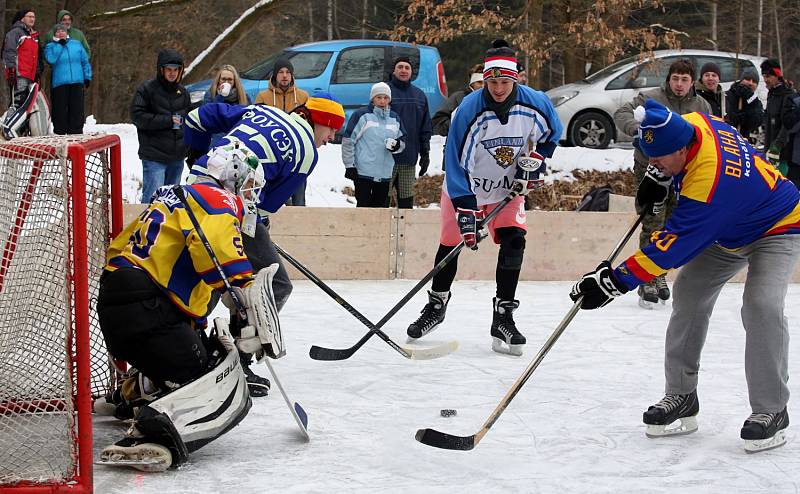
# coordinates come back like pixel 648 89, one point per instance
pixel 512 248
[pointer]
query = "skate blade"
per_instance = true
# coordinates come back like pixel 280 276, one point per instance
pixel 144 457
pixel 680 427
pixel 411 339
pixel 644 304
pixel 500 346
pixel 758 445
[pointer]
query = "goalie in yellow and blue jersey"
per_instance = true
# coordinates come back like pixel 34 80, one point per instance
pixel 734 210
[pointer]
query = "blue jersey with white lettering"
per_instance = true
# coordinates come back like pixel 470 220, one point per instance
pixel 481 152
pixel 284 144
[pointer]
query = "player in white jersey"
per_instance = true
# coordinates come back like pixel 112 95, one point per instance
pixel 499 136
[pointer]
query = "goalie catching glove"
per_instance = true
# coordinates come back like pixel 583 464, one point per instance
pixel 597 288
pixel 262 330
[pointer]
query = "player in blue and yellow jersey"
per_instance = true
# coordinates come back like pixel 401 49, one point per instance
pixel 285 145
pixel 734 210
pixel 492 132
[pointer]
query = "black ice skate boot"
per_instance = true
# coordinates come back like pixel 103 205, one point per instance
pixel 648 295
pixel 432 315
pixel 258 386
pixel 662 289
pixel 682 409
pixel 763 431
pixel 506 338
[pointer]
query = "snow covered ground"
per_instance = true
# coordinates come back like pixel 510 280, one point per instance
pixel 326 182
pixel 574 428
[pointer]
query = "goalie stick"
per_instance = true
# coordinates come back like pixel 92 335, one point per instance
pixel 321 353
pixel 443 440
pixel 299 414
pixel 409 353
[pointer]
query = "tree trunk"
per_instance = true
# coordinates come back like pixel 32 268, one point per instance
pixel 760 24
pixel 714 24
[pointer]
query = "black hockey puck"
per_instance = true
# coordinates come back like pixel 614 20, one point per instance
pixel 447 412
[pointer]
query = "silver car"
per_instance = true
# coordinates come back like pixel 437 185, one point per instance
pixel 586 108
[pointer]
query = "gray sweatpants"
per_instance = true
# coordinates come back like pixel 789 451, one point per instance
pixel 770 263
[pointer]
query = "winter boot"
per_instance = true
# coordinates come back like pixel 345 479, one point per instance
pixel 506 338
pixel 672 408
pixel 662 288
pixel 432 315
pixel 762 431
pixel 648 295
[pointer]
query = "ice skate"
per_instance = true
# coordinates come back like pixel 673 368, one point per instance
pixel 431 317
pixel 674 415
pixel 763 431
pixel 506 338
pixel 648 296
pixel 662 289
pixel 147 457
pixel 257 385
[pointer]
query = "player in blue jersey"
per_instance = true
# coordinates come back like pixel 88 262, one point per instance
pixel 285 146
pixel 492 133
pixel 734 211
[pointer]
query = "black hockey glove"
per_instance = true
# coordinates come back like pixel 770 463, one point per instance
pixel 530 170
pixel 597 288
pixel 351 173
pixel 469 224
pixel 424 162
pixel 653 191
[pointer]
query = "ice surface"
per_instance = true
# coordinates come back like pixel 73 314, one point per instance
pixel 575 426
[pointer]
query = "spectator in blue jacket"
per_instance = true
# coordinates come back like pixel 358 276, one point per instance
pixel 373 134
pixel 411 104
pixel 71 74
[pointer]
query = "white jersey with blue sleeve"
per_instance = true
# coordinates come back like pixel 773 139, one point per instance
pixel 283 143
pixel 481 152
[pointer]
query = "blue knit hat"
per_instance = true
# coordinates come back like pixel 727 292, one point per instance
pixel 661 132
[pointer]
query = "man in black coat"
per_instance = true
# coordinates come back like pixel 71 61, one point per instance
pixel 158 109
pixel 777 143
pixel 744 109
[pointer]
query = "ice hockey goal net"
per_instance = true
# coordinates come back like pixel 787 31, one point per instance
pixel 60 201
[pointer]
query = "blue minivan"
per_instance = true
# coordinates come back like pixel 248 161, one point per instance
pixel 347 69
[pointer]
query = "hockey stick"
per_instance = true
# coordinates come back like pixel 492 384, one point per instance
pixel 299 414
pixel 437 439
pixel 409 353
pixel 321 353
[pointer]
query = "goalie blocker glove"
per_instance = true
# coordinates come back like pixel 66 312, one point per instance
pixel 597 288
pixel 653 191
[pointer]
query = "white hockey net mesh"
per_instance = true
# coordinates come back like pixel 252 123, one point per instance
pixel 38 356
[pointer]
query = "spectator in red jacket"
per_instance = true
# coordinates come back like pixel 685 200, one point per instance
pixel 21 57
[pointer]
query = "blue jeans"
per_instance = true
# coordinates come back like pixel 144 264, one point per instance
pixel 156 174
pixel 298 198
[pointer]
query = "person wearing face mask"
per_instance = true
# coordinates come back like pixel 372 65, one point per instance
pixel 374 133
pixel 225 88
pixel 678 94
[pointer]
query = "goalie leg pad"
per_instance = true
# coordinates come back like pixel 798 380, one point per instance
pixel 202 410
pixel 262 313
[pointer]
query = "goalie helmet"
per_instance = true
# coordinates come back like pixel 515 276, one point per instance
pixel 239 171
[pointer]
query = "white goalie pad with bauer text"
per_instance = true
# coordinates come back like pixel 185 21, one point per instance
pixel 262 333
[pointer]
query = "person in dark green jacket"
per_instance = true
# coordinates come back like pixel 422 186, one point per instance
pixel 65 17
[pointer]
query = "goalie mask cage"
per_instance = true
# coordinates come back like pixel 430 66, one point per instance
pixel 60 203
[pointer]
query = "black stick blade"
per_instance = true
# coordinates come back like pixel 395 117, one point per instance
pixel 443 440
pixel 321 353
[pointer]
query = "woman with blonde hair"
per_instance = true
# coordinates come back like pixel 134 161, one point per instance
pixel 227 88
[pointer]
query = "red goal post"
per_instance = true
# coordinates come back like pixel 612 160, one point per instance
pixel 60 204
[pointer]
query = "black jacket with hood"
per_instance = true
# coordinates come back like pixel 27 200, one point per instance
pixel 152 108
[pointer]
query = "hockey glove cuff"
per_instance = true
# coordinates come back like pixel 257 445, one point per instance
pixel 597 288
pixel 653 191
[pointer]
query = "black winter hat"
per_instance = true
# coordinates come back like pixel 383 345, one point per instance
pixel 281 63
pixel 771 66
pixel 709 67
pixel 402 58
pixel 19 15
pixel 750 73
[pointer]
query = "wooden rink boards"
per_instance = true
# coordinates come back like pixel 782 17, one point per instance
pixel 383 244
